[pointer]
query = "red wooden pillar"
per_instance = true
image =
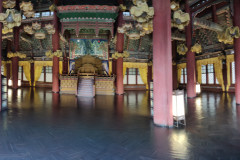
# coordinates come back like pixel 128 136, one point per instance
pixel 191 64
pixel 15 59
pixel 214 14
pixel 119 47
pixel 114 69
pixel 65 65
pixel 162 64
pixel 55 44
pixel 236 21
pixel 32 74
pixel 149 75
pixel 15 72
pixel 174 67
pixel 8 72
pixel 0 57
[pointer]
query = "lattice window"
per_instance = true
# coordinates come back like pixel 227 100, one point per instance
pixel 37 15
pixel 183 79
pixel 211 77
pixel 233 72
pixel 132 76
pixel 204 74
pixel 44 14
pixel 20 70
pixel 48 74
pixel 2 70
pixel 132 71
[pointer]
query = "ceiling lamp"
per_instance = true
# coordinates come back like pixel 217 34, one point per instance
pixel 11 18
pixel 141 12
pixel 182 49
pixel 27 8
pixel 40 34
pixel 197 48
pixel 180 19
pixel 9 3
pixel 174 6
pixel 49 28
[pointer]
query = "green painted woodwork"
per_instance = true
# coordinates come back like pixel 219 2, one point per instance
pixel 87 15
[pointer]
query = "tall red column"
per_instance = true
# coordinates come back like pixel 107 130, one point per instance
pixel 65 65
pixel 149 75
pixel 15 72
pixel 55 44
pixel 15 59
pixel 119 47
pixel 214 14
pixel 0 57
pixel 162 64
pixel 174 67
pixel 191 64
pixel 236 21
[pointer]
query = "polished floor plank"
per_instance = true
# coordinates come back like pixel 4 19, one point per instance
pixel 41 125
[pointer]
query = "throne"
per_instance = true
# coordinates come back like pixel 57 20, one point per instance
pixel 88 65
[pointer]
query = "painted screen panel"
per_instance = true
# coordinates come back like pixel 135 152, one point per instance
pixel 94 47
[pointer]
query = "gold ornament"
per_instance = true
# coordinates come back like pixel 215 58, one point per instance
pixel 122 8
pixel 51 54
pixel 10 19
pixel 40 34
pixel 182 49
pixel 17 54
pixel 117 55
pixel 180 19
pixel 28 29
pixel 9 3
pixel 174 6
pixel 26 6
pixel 228 35
pixel 52 8
pixel 36 25
pixel 29 14
pixel 6 30
pixel 50 28
pixel 141 12
pixel 197 48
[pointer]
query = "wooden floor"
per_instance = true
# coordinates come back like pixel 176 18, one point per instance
pixel 41 125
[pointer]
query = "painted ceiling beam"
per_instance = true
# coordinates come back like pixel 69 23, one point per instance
pixel 207 25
